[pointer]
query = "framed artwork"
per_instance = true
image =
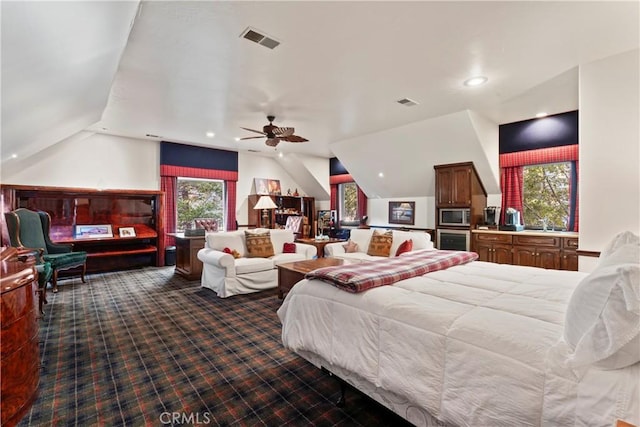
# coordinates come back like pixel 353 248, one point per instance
pixel 402 213
pixel 127 232
pixel 93 231
pixel 262 186
pixel 274 187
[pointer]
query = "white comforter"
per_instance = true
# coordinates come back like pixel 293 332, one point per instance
pixel 477 344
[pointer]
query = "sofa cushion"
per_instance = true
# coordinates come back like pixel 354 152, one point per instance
pixel 234 240
pixel 421 240
pixel 258 244
pixel 380 244
pixel 286 257
pixel 252 265
pixel 361 237
pixel 279 237
pixel 405 246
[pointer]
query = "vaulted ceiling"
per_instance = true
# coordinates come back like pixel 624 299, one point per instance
pixel 175 70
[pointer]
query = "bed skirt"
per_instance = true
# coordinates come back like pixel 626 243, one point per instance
pixel 398 404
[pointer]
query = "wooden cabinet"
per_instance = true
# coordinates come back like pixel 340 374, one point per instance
pixel 286 207
pixel 459 186
pixel 20 361
pixel 550 250
pixel 187 262
pixel 569 256
pixel 493 247
pixel 70 207
pixel 456 184
pixel 537 251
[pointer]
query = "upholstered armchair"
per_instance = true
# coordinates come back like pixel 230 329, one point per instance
pixel 29 229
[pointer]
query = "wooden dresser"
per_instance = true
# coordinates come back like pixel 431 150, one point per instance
pixel 20 354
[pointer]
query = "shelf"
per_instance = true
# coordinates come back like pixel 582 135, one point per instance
pixel 133 251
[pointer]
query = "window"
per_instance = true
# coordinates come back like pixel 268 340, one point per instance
pixel 348 203
pixel 199 198
pixel 547 196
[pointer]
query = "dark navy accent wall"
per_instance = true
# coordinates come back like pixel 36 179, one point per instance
pixel 335 167
pixel 550 131
pixel 197 157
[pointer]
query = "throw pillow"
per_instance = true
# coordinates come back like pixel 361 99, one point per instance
pixel 350 246
pixel 380 244
pixel 289 248
pixel 231 252
pixel 405 246
pixel 259 244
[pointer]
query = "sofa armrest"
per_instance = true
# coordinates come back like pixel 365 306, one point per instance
pixel 309 251
pixel 218 259
pixel 332 249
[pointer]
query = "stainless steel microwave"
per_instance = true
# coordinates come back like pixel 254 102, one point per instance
pixel 455 217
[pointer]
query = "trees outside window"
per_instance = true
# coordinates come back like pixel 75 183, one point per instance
pixel 546 195
pixel 199 198
pixel 348 203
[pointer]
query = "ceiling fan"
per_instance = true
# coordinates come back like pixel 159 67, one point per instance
pixel 275 134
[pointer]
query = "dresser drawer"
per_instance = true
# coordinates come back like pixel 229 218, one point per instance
pixel 570 243
pixel 493 238
pixel 537 241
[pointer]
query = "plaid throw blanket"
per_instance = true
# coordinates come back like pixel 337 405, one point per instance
pixel 371 274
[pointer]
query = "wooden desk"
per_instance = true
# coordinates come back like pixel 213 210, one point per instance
pixel 20 362
pixel 291 273
pixel 187 262
pixel 319 244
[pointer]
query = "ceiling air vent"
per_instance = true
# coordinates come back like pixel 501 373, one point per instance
pixel 257 37
pixel 407 102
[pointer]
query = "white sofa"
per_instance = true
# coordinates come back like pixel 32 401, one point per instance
pixel 362 237
pixel 229 276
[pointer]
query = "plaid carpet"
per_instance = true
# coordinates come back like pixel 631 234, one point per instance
pixel 147 347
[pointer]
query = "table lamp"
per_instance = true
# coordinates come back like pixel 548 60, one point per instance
pixel 265 203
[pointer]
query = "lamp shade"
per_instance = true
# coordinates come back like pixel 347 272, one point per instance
pixel 265 202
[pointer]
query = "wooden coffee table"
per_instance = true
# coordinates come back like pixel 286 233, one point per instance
pixel 291 273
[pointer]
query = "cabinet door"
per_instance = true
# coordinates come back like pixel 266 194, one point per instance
pixel 524 255
pixel 461 186
pixel 569 261
pixel 484 252
pixel 502 254
pixel 548 258
pixel 444 187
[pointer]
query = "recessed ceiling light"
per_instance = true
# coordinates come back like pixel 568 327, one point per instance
pixel 476 81
pixel 280 154
pixel 381 175
pixel 210 134
pixel 541 114
pixel 237 138
pixel 14 156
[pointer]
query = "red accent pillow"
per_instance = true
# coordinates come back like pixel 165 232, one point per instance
pixel 289 248
pixel 405 246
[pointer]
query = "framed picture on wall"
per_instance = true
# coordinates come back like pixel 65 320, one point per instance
pixel 402 213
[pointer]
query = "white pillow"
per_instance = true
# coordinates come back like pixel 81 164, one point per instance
pixel 230 239
pixel 602 324
pixel 619 240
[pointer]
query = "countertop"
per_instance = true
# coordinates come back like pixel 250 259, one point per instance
pixel 531 233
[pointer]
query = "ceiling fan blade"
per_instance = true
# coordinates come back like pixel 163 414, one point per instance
pixel 272 142
pixel 253 130
pixel 283 131
pixel 252 137
pixel 294 138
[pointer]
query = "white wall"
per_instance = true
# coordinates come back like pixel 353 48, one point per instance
pixel 378 211
pixel 609 151
pixel 89 160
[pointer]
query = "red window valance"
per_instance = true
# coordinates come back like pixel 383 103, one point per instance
pixel 565 153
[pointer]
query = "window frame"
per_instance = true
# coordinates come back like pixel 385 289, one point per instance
pixel 341 205
pixel 572 197
pixel 223 199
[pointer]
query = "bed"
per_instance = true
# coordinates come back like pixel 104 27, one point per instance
pixel 481 343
